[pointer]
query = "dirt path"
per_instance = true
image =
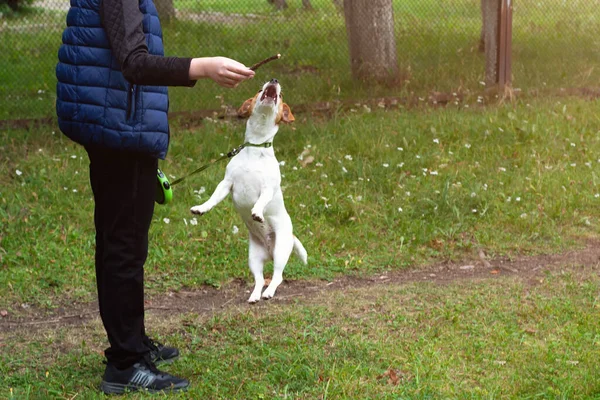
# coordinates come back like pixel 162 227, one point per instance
pixel 209 300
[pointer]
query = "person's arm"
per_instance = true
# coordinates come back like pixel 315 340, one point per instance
pixel 122 21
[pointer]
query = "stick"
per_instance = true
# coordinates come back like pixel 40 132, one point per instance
pixel 266 60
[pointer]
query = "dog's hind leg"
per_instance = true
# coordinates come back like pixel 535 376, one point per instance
pixel 281 255
pixel 257 257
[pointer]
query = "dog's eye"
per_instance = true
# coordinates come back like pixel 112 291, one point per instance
pixel 279 95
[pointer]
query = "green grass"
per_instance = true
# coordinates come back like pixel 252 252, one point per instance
pixel 552 42
pixel 386 190
pixel 493 339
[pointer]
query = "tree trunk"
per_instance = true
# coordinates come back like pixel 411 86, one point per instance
pixel 490 10
pixel 482 35
pixel 165 9
pixel 371 39
pixel 339 4
pixel 306 5
pixel 279 4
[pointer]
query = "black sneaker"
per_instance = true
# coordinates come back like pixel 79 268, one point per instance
pixel 160 353
pixel 141 376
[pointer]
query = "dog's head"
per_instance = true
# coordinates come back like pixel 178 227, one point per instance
pixel 268 102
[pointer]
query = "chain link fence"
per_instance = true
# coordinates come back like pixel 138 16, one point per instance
pixel 438 46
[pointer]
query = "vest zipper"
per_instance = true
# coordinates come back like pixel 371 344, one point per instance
pixel 130 101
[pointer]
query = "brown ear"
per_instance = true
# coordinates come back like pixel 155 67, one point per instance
pixel 246 109
pixel 286 114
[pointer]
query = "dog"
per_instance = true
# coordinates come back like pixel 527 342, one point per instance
pixel 254 180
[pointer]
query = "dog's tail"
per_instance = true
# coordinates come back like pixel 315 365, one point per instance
pixel 300 251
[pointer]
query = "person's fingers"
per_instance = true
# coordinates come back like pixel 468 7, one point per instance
pixel 240 69
pixel 227 82
pixel 237 77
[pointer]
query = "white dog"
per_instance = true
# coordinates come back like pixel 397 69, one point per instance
pixel 253 178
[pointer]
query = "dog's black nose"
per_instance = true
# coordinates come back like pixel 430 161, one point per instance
pixel 273 81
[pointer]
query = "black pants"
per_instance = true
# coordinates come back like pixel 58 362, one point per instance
pixel 124 187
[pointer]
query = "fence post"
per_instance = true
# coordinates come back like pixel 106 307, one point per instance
pixel 504 67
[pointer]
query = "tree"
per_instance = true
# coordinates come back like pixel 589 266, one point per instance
pixel 371 39
pixel 279 4
pixel 489 12
pixel 306 5
pixel 166 10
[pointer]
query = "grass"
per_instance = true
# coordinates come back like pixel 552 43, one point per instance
pixel 494 339
pixel 386 190
pixel 551 49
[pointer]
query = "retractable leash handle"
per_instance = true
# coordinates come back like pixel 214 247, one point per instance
pixel 164 189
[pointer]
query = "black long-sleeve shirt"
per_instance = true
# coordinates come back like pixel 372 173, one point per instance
pixel 122 21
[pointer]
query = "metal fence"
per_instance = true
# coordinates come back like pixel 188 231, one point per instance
pixel 555 45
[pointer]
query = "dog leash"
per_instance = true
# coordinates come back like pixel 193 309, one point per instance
pixel 164 193
pixel 232 153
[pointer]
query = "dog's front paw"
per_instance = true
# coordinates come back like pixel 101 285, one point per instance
pixel 199 210
pixel 258 217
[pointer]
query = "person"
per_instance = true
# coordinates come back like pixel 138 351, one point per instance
pixel 112 99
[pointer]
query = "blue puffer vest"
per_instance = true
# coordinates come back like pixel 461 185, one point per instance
pixel 95 105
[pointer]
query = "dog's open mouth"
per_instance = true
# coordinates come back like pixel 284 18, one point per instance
pixel 270 92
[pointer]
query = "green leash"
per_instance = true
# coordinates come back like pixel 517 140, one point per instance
pixel 164 189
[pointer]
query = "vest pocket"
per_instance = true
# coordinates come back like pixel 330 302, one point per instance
pixel 131 97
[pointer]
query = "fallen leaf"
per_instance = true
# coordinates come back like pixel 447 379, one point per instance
pixel 495 271
pixel 307 160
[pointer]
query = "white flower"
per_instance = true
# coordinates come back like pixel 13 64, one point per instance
pixel 400 165
pixel 18 172
pixel 74 190
pixel 572 144
pixel 302 205
pixel 517 198
pixel 502 169
pixel 344 169
pixel 295 168
pixel 573 164
pixel 597 195
pixel 358 198
pixel 524 215
pixel 437 141
pixel 348 157
pixel 433 172
pixel 473 194
pixel 166 220
pixel 324 176
pixel 282 163
pixel 235 230
pixel 200 191
pixel 401 149
pixel 474 210
pixel 399 209
pixel 385 165
pixel 73 156
pixel 468 145
pixel 194 221
pixel 418 156
pixel 407 193
pixel 318 164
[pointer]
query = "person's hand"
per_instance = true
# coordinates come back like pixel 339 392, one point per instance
pixel 224 71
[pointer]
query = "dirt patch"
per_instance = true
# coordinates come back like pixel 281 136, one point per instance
pixel 209 300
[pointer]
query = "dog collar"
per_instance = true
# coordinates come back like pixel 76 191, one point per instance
pixel 235 151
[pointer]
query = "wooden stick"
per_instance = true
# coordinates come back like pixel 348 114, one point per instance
pixel 266 60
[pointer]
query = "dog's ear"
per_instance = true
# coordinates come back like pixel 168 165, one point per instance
pixel 246 108
pixel 286 114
